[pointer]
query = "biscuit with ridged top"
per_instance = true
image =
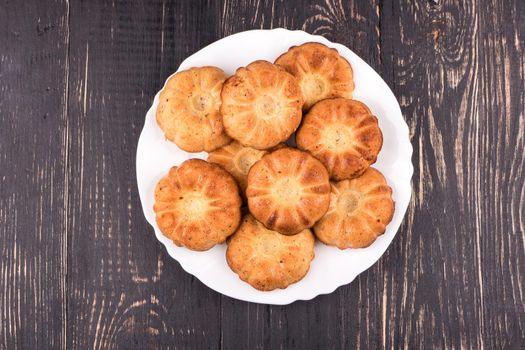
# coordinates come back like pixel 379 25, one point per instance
pixel 261 105
pixel 266 259
pixel 321 72
pixel 288 190
pixel 197 205
pixel 360 209
pixel 237 160
pixel 188 110
pixel 343 134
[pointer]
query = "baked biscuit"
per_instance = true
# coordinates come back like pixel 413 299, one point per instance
pixel 359 211
pixel 343 134
pixel 188 110
pixel 288 190
pixel 197 205
pixel 321 72
pixel 261 105
pixel 237 160
pixel 267 259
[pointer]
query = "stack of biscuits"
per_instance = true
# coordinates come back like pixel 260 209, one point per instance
pixel 321 188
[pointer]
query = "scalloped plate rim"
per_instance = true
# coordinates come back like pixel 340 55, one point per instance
pixel 278 297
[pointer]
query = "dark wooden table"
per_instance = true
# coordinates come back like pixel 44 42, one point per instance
pixel 80 267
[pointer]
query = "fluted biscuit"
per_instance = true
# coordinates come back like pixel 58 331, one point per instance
pixel 261 105
pixel 321 72
pixel 359 211
pixel 237 160
pixel 266 259
pixel 197 205
pixel 188 110
pixel 343 134
pixel 288 190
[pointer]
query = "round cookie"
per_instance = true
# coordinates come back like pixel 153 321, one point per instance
pixel 322 73
pixel 197 205
pixel 288 190
pixel 266 259
pixel 237 160
pixel 359 211
pixel 188 110
pixel 261 105
pixel 343 134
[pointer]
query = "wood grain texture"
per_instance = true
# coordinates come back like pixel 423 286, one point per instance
pixel 445 72
pixel 332 317
pixel 433 48
pixel 80 267
pixel 124 290
pixel 33 182
pixel 500 172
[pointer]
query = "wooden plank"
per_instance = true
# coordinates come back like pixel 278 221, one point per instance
pixel 453 277
pixel 245 325
pixel 430 48
pixel 33 186
pixel 455 288
pixel 499 180
pixel 356 307
pixel 125 291
pixel 355 24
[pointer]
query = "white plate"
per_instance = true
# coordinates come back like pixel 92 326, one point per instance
pixel 331 267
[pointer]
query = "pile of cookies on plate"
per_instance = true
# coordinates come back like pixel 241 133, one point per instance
pixel 324 187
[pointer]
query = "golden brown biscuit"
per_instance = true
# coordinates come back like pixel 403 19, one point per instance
pixel 288 190
pixel 267 259
pixel 343 134
pixel 321 72
pixel 188 110
pixel 261 105
pixel 197 205
pixel 359 211
pixel 237 160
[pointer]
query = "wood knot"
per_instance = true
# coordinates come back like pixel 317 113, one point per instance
pixel 437 30
pixel 435 34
